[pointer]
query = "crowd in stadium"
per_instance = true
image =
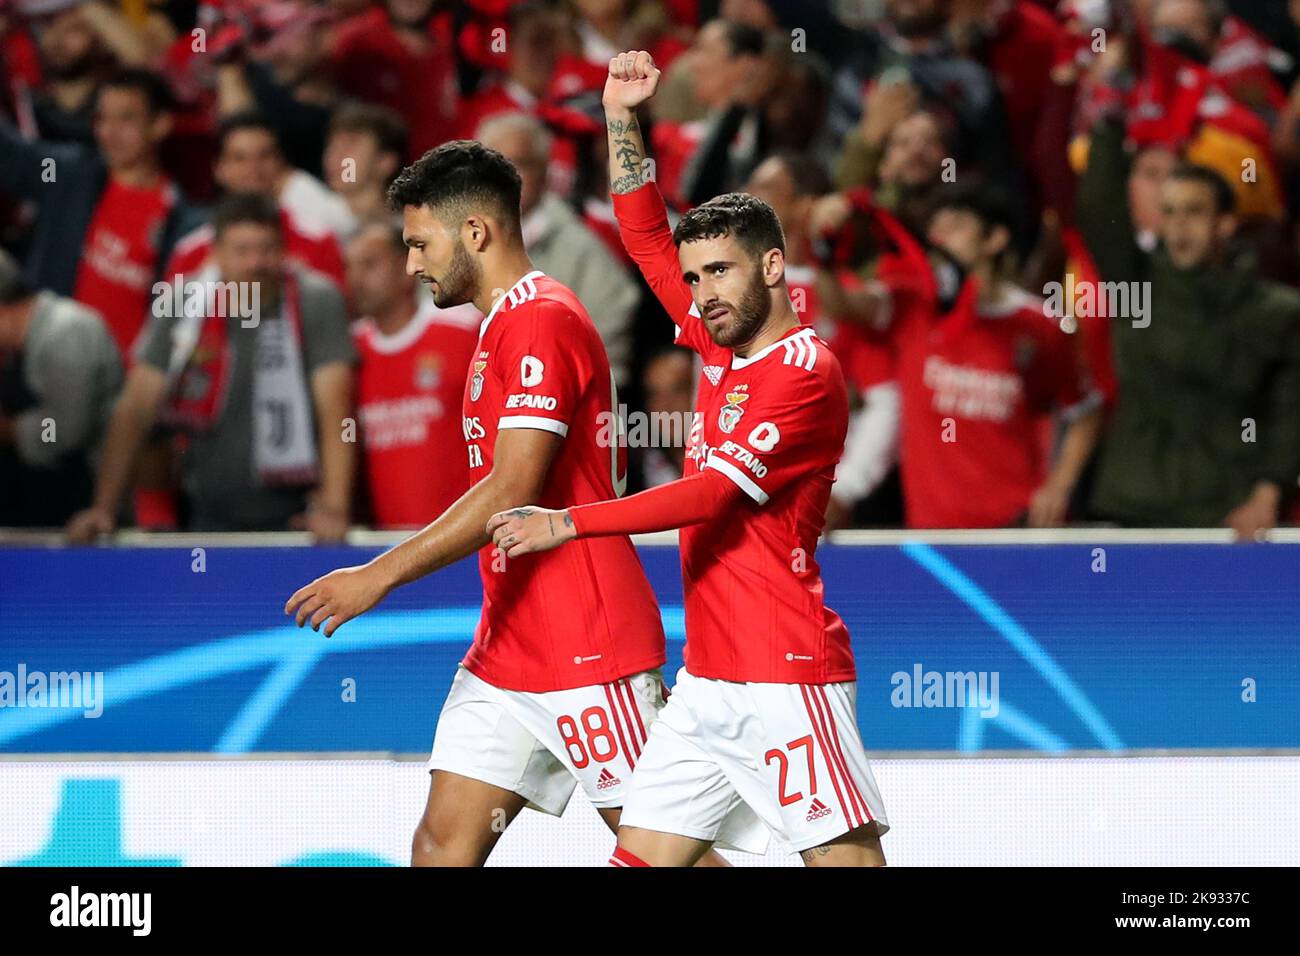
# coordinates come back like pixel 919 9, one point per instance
pixel 1053 245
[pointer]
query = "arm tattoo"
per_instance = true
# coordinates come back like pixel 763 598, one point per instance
pixel 568 520
pixel 627 154
pixel 550 522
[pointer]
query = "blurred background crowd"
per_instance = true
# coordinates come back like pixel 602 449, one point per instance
pixel 1054 245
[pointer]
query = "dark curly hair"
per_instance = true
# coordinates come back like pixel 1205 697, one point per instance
pixel 747 219
pixel 455 178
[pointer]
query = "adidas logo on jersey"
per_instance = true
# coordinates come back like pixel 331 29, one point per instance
pixel 606 779
pixel 714 374
pixel 817 810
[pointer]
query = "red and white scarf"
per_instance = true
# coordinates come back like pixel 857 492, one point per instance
pixel 199 373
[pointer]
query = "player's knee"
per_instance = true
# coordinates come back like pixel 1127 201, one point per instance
pixel 435 845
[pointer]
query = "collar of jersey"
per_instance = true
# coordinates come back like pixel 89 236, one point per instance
pixel 507 298
pixel 737 362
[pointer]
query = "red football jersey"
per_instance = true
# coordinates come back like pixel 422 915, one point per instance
pixel 582 614
pixel 119 257
pixel 774 423
pixel 975 387
pixel 409 388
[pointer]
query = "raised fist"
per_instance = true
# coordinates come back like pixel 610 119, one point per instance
pixel 633 79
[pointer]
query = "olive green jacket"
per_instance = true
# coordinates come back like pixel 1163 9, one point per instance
pixel 1209 373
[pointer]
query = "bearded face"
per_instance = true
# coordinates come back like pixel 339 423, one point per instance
pixel 437 257
pixel 728 288
pixel 460 282
pixel 745 317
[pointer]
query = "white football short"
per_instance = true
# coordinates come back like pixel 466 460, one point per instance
pixel 728 762
pixel 542 745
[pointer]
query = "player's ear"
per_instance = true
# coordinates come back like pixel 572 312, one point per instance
pixel 773 266
pixel 474 232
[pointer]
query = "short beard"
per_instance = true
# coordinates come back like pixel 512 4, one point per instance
pixel 751 312
pixel 460 284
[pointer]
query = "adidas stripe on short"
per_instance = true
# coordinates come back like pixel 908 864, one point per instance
pixel 542 745
pixel 730 763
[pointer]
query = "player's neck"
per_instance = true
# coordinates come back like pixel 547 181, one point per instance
pixel 500 275
pixel 777 326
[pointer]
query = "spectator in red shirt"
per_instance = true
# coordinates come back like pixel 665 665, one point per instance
pixel 526 67
pixel 402 55
pixel 602 29
pixel 1236 55
pixel 979 365
pixel 106 220
pixel 250 161
pixel 414 360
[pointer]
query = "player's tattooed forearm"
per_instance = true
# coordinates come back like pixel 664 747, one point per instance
pixel 627 154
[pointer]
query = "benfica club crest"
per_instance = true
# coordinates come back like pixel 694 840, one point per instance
pixel 476 383
pixel 730 414
pixel 428 372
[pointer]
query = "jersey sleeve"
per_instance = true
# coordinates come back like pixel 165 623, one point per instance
pixel 791 427
pixel 643 226
pixel 544 367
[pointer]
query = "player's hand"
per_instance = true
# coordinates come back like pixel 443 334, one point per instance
pixel 337 597
pixel 530 529
pixel 633 79
pixel 86 526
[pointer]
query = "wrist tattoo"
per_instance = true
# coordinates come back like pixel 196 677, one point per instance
pixel 627 154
